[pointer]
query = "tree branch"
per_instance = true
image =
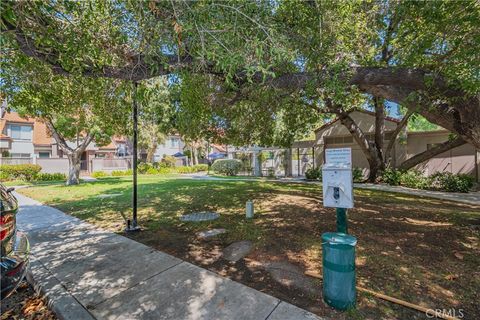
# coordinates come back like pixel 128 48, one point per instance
pixel 396 132
pixel 423 156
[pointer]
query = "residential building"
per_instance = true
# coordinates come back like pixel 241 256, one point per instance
pixel 27 140
pixel 311 153
pixel 173 145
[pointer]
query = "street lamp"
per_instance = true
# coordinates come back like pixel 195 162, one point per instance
pixel 133 224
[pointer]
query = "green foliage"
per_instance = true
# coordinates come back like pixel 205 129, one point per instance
pixel 228 167
pixel 99 174
pixel 201 167
pixel 119 173
pixel 391 176
pixel 357 174
pixel 50 177
pixel 451 182
pixel 442 181
pixel 169 161
pixel 26 172
pixel 414 179
pixel 313 174
pixel 143 167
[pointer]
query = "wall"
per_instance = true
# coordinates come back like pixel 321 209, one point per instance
pixel 53 165
pixel 461 159
pixel 108 165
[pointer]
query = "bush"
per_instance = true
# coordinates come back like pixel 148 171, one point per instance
pixel 185 169
pixel 357 175
pixel 450 182
pixel 99 174
pixel 313 174
pixel 169 161
pixel 50 177
pixel 229 167
pixel 414 179
pixel 200 167
pixel 143 167
pixel 119 173
pixel 391 176
pixel 26 172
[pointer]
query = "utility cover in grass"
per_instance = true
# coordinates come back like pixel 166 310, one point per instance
pixel 237 250
pixel 210 233
pixel 200 216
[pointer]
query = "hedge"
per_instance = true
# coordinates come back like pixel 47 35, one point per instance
pixel 441 181
pixel 26 172
pixel 229 167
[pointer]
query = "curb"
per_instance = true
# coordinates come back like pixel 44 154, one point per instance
pixel 59 299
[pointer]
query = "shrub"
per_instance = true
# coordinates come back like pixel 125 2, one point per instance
pixel 229 167
pixel 313 174
pixel 391 176
pixel 414 179
pixel 152 171
pixel 26 172
pixel 200 167
pixel 99 174
pixel 50 177
pixel 4 176
pixel 357 175
pixel 450 182
pixel 185 169
pixel 143 167
pixel 119 173
pixel 169 161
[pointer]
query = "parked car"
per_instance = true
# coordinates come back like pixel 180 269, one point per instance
pixel 15 248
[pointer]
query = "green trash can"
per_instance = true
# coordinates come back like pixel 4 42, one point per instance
pixel 338 250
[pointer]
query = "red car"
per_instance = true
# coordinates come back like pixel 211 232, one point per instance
pixel 15 248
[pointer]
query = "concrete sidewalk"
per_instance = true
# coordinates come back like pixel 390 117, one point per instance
pixel 88 273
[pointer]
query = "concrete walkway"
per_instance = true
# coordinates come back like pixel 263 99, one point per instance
pixel 88 273
pixel 468 198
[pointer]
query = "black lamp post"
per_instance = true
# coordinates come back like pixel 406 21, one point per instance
pixel 133 224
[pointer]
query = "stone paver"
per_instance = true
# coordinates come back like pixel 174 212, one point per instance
pixel 200 216
pixel 89 273
pixel 237 250
pixel 207 234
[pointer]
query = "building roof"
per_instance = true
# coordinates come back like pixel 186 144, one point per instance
pixel 371 113
pixel 41 136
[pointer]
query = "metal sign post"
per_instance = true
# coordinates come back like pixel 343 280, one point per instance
pixel 133 225
pixel 338 184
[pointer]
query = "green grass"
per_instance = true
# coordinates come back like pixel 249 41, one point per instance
pixel 403 239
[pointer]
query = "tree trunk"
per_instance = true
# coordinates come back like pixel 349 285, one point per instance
pixel 151 151
pixel 379 133
pixel 73 168
pixel 369 149
pixel 423 156
pixel 393 138
pixel 195 156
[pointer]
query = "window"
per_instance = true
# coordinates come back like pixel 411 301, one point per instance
pixel 44 154
pixel 20 155
pixel 174 142
pixel 18 132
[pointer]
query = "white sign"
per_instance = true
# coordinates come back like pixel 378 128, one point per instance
pixel 339 155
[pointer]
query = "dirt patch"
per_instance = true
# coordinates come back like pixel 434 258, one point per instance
pixel 408 248
pixel 25 304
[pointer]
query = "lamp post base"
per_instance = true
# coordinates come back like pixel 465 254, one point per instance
pixel 132 227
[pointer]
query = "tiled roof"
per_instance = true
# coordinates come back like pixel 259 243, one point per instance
pixel 41 135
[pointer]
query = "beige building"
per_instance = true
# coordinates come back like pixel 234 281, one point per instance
pixel 463 159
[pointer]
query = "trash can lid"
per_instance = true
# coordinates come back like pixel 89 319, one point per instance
pixel 339 238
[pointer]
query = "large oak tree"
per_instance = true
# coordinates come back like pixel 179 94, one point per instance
pixel 317 49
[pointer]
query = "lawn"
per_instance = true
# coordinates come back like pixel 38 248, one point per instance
pixel 422 250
